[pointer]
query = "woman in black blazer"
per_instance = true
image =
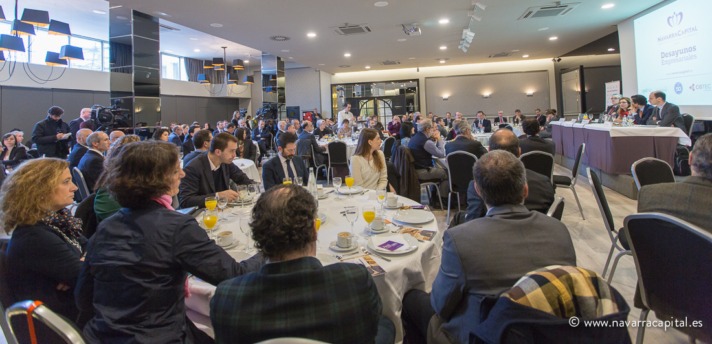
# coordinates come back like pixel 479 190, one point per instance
pixel 12 152
pixel 246 149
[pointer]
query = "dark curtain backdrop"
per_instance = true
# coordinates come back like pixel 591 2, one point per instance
pixel 193 67
pixel 120 57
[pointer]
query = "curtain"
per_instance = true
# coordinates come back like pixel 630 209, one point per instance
pixel 193 67
pixel 120 57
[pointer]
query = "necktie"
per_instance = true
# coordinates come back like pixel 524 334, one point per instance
pixel 289 169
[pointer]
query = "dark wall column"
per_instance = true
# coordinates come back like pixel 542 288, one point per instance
pixel 273 87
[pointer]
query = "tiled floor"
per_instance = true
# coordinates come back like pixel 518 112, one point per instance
pixel 592 244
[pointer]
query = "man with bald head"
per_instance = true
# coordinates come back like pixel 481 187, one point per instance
pixel 79 149
pixel 115 135
pixel 84 115
pixel 92 163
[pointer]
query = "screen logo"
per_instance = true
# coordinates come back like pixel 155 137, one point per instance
pixel 678 88
pixel 675 19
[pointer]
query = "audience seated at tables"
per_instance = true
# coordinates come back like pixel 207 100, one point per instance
pixel 425 146
pixel 541 192
pixel 43 258
pixel 665 114
pixel 175 136
pixel 464 141
pixel 188 145
pixel 201 142
pixel 12 152
pixel 641 109
pixel 20 136
pixel 368 164
pixel 307 144
pixel 690 199
pixel 137 262
pixel 288 128
pixel 84 115
pixel 345 129
pixel 116 135
pixel 104 204
pixel 284 165
pixel 210 174
pixel 246 149
pixel 486 256
pixel 263 136
pixel 407 131
pixel 92 163
pixel 482 124
pixel 161 134
pixel 394 126
pixel 440 124
pixel 323 129
pixel 451 134
pixel 293 295
pixel 230 129
pixel 51 135
pixel 533 142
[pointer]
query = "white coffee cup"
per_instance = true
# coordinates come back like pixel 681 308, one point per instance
pixel 320 190
pixel 377 223
pixel 225 238
pixel 391 200
pixel 344 240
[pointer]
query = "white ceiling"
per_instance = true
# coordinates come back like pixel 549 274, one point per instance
pixel 252 23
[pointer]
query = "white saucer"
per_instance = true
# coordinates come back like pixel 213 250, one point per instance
pixel 396 207
pixel 344 190
pixel 233 244
pixel 336 248
pixel 380 231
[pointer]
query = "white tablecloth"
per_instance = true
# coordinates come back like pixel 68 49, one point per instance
pixel 248 166
pixel 350 147
pixel 416 270
pixel 635 130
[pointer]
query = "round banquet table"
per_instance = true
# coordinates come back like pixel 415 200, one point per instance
pixel 414 270
pixel 248 166
pixel 350 146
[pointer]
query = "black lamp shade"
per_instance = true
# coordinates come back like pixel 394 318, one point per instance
pixel 11 43
pixel 59 28
pixel 231 76
pixel 70 52
pixel 219 67
pixel 2 14
pixel 218 61
pixel 238 64
pixel 21 28
pixel 2 56
pixel 203 79
pixel 53 59
pixel 35 17
pixel 207 64
pixel 249 79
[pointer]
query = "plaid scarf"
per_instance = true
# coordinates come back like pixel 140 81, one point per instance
pixel 67 226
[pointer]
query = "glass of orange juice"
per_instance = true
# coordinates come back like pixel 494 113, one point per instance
pixel 287 181
pixel 369 213
pixel 210 220
pixel 317 223
pixel 211 203
pixel 381 194
pixel 349 181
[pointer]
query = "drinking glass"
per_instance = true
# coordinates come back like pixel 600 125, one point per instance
pixel 299 181
pixel 242 194
pixel 210 219
pixel 247 231
pixel 351 216
pixel 349 180
pixel 337 184
pixel 252 191
pixel 221 203
pixel 369 213
pixel 381 197
pixel 287 181
pixel 317 223
pixel 211 203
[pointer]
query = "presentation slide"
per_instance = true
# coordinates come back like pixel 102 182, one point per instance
pixel 673 48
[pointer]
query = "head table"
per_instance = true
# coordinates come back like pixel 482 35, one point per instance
pixel 414 270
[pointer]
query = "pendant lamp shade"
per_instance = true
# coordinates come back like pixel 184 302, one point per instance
pixel 238 64
pixel 218 61
pixel 59 28
pixel 35 17
pixel 249 79
pixel 11 43
pixel 53 59
pixel 70 52
pixel 21 28
pixel 2 14
pixel 207 64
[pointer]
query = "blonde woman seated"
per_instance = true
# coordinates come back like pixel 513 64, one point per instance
pixel 368 165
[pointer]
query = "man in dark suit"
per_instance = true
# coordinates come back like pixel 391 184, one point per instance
pixel 188 145
pixel 541 192
pixel 284 165
pixel 500 120
pixel 338 303
pixel 540 117
pixel 201 142
pixel 307 144
pixel 74 124
pixel 263 136
pixel 174 137
pixel 688 200
pixel 481 124
pixel 92 163
pixel 51 135
pixel 641 108
pixel 210 174
pixel 533 142
pixel 665 114
pixel 464 141
pixel 79 149
pixel 483 257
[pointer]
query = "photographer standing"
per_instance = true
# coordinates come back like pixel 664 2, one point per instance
pixel 52 135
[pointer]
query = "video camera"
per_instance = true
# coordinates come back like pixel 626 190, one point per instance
pixel 110 118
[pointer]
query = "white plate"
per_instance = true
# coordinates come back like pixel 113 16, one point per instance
pixel 378 231
pixel 391 208
pixel 335 248
pixel 344 190
pixel 411 244
pixel 414 216
pixel 245 201
pixel 233 244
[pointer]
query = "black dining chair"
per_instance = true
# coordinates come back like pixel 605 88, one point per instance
pixel 338 157
pixel 460 177
pixel 539 162
pixel 674 275
pixel 648 171
pixel 557 209
pixel 689 120
pixel 619 241
pixel 78 178
pixel 570 182
pixel 387 147
pixel 36 310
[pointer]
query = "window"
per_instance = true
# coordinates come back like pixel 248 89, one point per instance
pixel 170 67
pixel 14 56
pixel 44 42
pixel 93 56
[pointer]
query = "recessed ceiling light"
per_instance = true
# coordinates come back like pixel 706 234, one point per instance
pixel 411 58
pixel 525 56
pixel 291 58
pixel 442 61
pixel 607 6
pixel 99 12
pixel 117 6
pixel 402 39
pixel 543 29
pixel 553 38
pixel 285 50
pixel 163 14
pixel 444 21
pixel 347 55
pixel 380 3
pixel 368 67
pixel 311 34
pixel 196 50
pixel 611 49
pixel 247 61
pixel 216 25
pixel 321 64
pixel 443 47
